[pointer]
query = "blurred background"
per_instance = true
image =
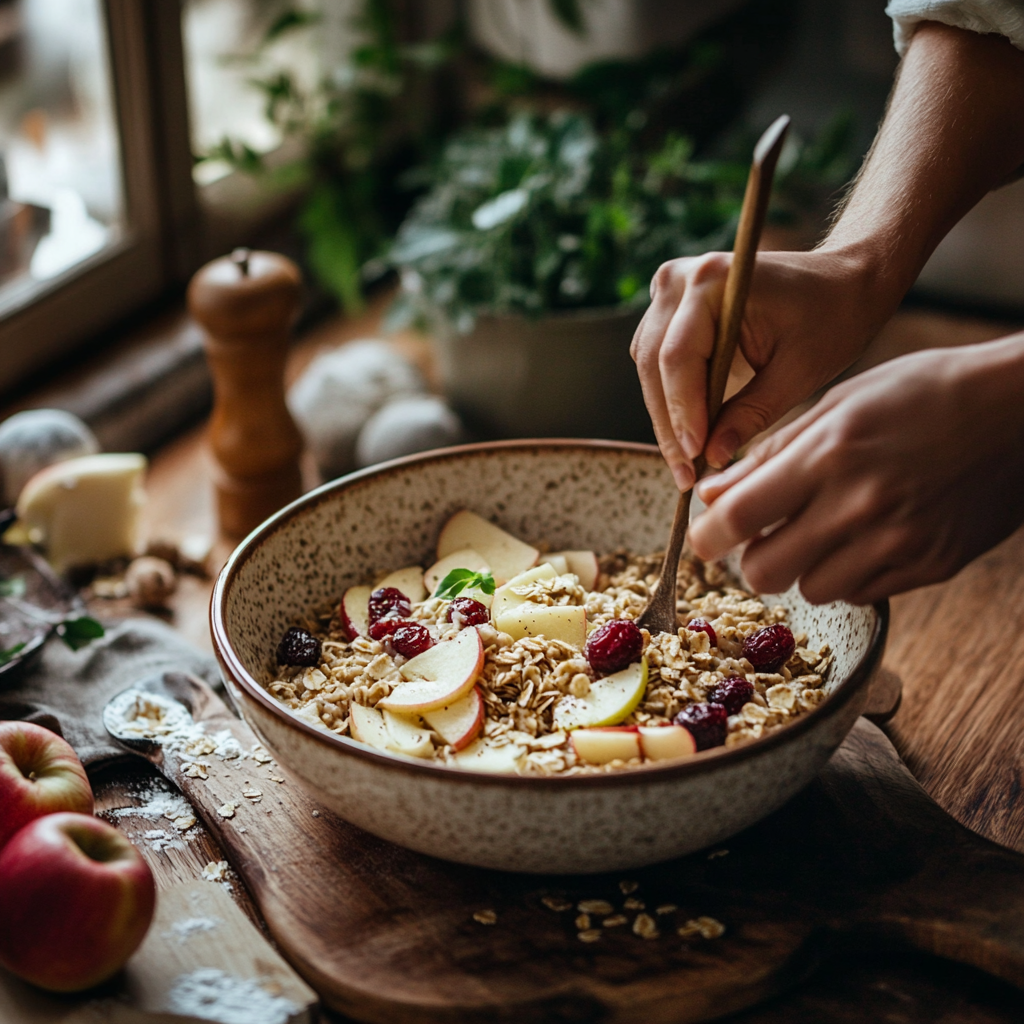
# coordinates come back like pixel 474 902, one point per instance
pixel 494 181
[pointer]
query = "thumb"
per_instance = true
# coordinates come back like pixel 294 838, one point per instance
pixel 763 401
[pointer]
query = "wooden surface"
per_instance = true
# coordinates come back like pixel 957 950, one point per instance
pixel 199 925
pixel 388 935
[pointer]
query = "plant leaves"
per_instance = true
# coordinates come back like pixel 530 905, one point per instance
pixel 570 14
pixel 10 653
pixel 459 580
pixel 13 586
pixel 288 20
pixel 77 633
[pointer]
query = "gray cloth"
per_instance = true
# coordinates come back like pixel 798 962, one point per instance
pixel 67 690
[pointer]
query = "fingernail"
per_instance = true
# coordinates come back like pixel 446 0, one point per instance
pixel 684 477
pixel 725 448
pixel 690 445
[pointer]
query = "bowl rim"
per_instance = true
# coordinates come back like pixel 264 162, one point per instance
pixel 701 763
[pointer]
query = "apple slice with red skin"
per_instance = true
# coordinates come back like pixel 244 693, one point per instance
pixel 408 580
pixel 439 676
pixel 77 900
pixel 507 555
pixel 39 774
pixel 665 742
pixel 460 723
pixel 599 746
pixel 355 611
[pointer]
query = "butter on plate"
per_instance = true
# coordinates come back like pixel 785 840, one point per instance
pixel 83 511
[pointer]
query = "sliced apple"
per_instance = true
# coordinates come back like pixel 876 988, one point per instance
pixel 558 563
pixel 367 725
pixel 355 611
pixel 480 756
pixel 408 735
pixel 665 742
pixel 610 700
pixel 599 746
pixel 459 724
pixel 439 676
pixel 582 563
pixel 567 623
pixel 504 599
pixel 408 580
pixel 507 555
pixel 466 558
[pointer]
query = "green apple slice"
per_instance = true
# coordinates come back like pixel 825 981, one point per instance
pixel 554 622
pixel 610 700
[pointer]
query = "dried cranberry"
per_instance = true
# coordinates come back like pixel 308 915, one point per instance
pixel 411 640
pixel 298 647
pixel 470 612
pixel 732 693
pixel 388 603
pixel 703 626
pixel 707 723
pixel 385 627
pixel 770 648
pixel 613 646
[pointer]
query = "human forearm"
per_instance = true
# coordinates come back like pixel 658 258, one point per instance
pixel 953 131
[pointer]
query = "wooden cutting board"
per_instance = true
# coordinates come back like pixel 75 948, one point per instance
pixel 861 857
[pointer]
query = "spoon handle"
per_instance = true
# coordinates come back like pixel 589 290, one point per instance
pixel 660 613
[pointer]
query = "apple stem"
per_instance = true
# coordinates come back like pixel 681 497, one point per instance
pixel 31 776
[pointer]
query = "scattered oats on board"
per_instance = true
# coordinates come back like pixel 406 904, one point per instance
pixel 706 927
pixel 184 822
pixel 583 922
pixel 628 887
pixel 594 907
pixel 255 795
pixel 667 908
pixel 197 770
pixel 556 903
pixel 634 904
pixel 227 810
pixel 485 917
pixel 216 871
pixel 590 935
pixel 185 929
pixel 615 921
pixel 645 926
pixel 276 778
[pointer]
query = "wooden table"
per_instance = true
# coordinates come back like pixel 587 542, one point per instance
pixel 956 646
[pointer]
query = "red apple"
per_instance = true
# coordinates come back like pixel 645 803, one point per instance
pixel 39 774
pixel 460 722
pixel 76 899
pixel 355 611
pixel 439 676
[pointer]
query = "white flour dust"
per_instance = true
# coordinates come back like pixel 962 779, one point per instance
pixel 184 930
pixel 210 994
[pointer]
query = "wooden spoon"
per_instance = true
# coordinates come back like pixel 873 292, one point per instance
pixel 660 614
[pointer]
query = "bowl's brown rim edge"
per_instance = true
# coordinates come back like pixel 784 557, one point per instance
pixel 700 763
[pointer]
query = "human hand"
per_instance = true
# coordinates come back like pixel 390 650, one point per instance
pixel 894 480
pixel 808 317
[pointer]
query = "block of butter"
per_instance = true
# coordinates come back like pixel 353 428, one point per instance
pixel 83 511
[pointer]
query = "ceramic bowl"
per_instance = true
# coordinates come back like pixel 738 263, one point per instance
pixel 571 494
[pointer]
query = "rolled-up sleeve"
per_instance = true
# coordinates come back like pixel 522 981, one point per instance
pixel 1001 17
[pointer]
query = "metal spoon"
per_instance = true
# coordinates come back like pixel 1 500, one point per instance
pixel 660 614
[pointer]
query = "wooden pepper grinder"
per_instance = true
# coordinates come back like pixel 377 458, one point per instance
pixel 246 302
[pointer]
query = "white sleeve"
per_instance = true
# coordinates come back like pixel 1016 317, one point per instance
pixel 1002 17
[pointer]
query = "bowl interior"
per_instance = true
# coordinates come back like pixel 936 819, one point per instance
pixel 597 495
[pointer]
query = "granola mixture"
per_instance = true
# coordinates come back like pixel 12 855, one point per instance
pixel 522 680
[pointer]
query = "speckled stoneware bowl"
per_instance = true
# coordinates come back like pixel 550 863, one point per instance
pixel 572 494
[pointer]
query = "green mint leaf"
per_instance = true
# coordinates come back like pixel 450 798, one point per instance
pixel 76 633
pixel 8 655
pixel 12 587
pixel 459 580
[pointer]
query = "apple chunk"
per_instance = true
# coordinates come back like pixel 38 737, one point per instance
pixel 504 599
pixel 400 734
pixel 507 555
pixel 355 611
pixel 408 580
pixel 664 742
pixel 555 622
pixel 610 700
pixel 439 676
pixel 367 725
pixel 458 724
pixel 599 746
pixel 466 558
pixel 481 756
pixel 582 563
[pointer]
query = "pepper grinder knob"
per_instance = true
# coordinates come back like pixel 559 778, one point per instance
pixel 246 304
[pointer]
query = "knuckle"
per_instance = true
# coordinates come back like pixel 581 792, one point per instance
pixel 710 266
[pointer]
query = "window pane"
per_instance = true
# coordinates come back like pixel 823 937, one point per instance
pixel 61 199
pixel 230 44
